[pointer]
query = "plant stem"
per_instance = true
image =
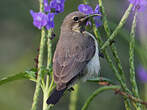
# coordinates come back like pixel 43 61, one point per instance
pixel 117 29
pixel 113 47
pixel 50 53
pixel 40 65
pixel 127 104
pixel 95 93
pixel 48 92
pixel 39 77
pixel 85 1
pixel 45 93
pixel 109 60
pixel 73 98
pixel 12 78
pixel 131 61
pixel 49 84
pixel 145 93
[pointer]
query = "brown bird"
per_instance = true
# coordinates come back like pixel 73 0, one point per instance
pixel 76 56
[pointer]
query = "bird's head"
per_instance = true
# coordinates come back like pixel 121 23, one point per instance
pixel 76 21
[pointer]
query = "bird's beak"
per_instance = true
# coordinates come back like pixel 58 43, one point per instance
pixel 92 15
pixel 86 18
pixel 83 21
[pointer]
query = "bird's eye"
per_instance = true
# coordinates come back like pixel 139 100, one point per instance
pixel 75 18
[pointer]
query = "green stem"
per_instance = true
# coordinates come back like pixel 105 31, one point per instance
pixel 117 29
pixel 127 104
pixel 113 47
pixel 73 98
pixel 40 65
pixel 131 61
pixel 50 53
pixel 48 92
pixel 49 84
pixel 95 93
pixel 145 93
pixel 45 94
pixel 12 78
pixel 109 60
pixel 85 1
pixel 39 77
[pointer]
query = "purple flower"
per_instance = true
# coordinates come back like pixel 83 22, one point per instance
pixel 142 74
pixel 139 4
pixel 58 5
pixel 97 19
pixel 46 6
pixel 39 19
pixel 86 9
pixel 50 22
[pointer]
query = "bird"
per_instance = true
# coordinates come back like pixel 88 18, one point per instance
pixel 76 56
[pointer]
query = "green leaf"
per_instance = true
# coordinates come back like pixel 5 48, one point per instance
pixel 31 74
pixel 100 79
pixel 45 71
pixel 12 78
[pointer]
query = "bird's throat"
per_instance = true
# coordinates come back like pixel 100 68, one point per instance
pixel 77 28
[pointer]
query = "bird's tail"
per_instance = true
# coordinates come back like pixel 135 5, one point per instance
pixel 55 96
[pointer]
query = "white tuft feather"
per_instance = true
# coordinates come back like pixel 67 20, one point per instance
pixel 93 66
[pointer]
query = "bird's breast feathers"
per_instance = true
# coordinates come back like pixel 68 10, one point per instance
pixel 93 66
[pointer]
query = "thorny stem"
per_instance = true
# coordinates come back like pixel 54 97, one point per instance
pixel 96 92
pixel 39 77
pixel 40 65
pixel 113 48
pixel 131 60
pixel 145 94
pixel 109 60
pixel 120 77
pixel 50 54
pixel 117 29
pixel 134 99
pixel 49 84
pixel 117 91
pixel 45 93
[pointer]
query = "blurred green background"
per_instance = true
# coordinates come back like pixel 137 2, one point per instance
pixel 19 41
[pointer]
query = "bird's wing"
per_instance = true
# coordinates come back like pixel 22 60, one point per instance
pixel 69 62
